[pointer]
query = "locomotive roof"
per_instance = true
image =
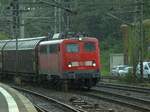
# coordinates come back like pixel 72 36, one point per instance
pixel 61 40
pixel 23 44
pixel 51 42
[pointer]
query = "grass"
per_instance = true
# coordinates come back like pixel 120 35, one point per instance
pixel 105 72
pixel 104 63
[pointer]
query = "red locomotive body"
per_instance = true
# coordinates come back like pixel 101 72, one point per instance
pixel 41 60
pixel 73 59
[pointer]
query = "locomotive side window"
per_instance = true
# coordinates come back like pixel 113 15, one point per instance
pixel 72 48
pixel 43 49
pixel 89 47
pixel 54 48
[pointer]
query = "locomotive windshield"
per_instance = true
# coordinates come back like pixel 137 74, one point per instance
pixel 72 48
pixel 89 47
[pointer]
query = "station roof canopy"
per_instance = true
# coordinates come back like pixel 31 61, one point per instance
pixel 23 44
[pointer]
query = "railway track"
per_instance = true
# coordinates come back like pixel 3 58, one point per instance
pixel 77 104
pixel 40 109
pixel 137 103
pixel 47 100
pixel 82 106
pixel 125 87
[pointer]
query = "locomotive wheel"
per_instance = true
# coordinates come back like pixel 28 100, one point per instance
pixel 88 84
pixel 89 87
pixel 64 85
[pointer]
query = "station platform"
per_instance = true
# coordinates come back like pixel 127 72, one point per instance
pixel 12 101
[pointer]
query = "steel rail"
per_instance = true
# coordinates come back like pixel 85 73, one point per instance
pixel 122 96
pixel 137 103
pixel 125 87
pixel 133 102
pixel 120 102
pixel 72 109
pixel 40 109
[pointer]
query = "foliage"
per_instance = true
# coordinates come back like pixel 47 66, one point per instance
pixel 91 17
pixel 146 24
pixel 3 36
pixel 146 9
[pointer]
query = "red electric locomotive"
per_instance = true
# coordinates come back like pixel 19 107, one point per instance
pixel 76 60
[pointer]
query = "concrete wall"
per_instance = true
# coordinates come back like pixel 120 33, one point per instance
pixel 116 59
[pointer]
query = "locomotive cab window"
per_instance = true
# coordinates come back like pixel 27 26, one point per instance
pixel 72 48
pixel 89 46
pixel 54 48
pixel 43 49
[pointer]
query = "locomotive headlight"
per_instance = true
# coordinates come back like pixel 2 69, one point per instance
pixel 69 65
pixel 94 64
pixel 80 38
